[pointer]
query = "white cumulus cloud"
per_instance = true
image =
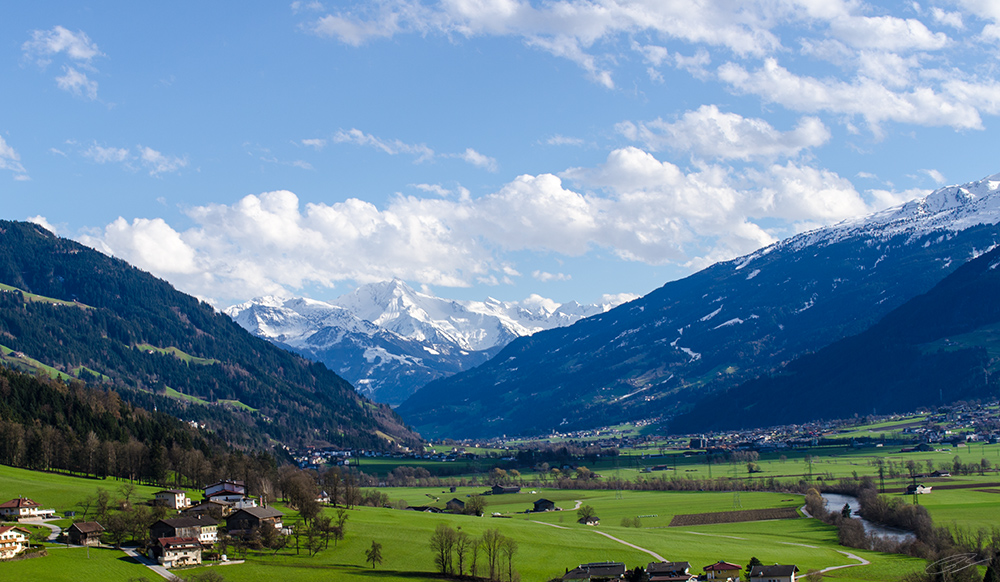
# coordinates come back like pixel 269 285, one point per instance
pixel 545 276
pixel 46 45
pixel 632 205
pixel 153 161
pixel 11 160
pixel 710 133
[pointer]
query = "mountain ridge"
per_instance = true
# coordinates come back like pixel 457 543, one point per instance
pixel 388 339
pixel 938 347
pixel 162 349
pixel 730 322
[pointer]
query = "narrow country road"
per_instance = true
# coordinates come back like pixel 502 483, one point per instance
pixel 549 524
pixel 56 530
pixel 650 552
pixel 863 562
pixel 152 566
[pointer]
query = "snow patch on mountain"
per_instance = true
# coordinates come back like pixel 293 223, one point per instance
pixel 397 329
pixel 951 209
pixel 733 321
pixel 711 315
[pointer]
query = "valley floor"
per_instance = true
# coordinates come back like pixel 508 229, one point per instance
pixel 549 543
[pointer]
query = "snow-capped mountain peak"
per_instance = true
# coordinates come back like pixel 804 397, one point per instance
pixel 395 330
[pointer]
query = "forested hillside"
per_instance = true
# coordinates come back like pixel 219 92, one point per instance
pixel 166 350
pixel 53 425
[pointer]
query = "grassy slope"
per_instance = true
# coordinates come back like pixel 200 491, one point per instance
pixel 42 299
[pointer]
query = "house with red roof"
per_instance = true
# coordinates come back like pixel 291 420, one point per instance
pixel 24 508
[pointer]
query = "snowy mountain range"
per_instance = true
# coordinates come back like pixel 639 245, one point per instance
pixel 660 354
pixel 388 339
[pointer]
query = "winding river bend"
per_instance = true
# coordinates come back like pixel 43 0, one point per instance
pixel 836 501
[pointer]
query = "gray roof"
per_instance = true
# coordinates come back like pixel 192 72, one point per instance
pixel 775 570
pixel 260 512
pixel 596 570
pixel 176 522
pixel 657 567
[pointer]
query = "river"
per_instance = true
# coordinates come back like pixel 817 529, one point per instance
pixel 835 502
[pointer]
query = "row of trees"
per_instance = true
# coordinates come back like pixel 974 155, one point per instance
pixel 910 468
pixel 456 553
pixel 952 554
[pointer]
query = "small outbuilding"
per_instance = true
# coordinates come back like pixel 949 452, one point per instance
pixel 544 505
pixel 503 489
pixel 85 533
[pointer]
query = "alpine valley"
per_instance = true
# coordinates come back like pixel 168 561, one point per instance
pixel 659 355
pixel 389 340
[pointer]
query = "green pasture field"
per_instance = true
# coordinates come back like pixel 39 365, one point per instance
pixel 181 396
pixel 7 356
pixel 382 466
pixel 970 509
pixel 238 404
pixel 76 564
pixel 62 492
pixel 41 298
pixel 194 399
pixel 828 461
pixel 179 354
pixel 548 543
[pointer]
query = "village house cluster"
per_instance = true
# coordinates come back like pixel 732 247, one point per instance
pixel 681 572
pixel 174 541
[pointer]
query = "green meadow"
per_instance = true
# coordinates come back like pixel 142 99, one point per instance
pixel 548 543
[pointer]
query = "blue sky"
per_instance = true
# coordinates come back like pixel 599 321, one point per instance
pixel 480 148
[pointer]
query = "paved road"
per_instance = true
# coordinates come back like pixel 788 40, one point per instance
pixel 549 524
pixel 861 561
pixel 152 566
pixel 56 530
pixel 650 552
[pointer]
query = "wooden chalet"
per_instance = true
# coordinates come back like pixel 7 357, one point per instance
pixel 85 533
pixel 244 520
pixel 505 489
